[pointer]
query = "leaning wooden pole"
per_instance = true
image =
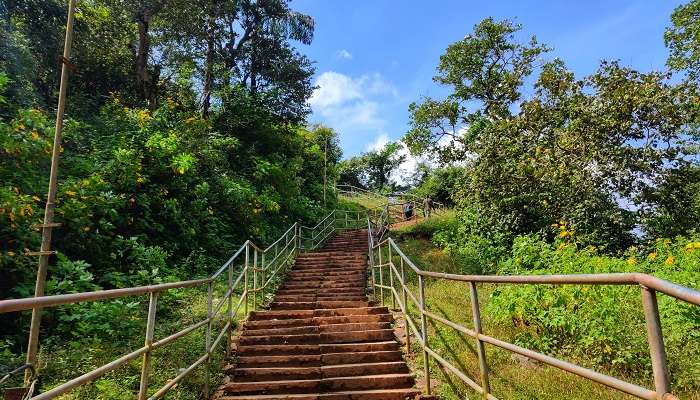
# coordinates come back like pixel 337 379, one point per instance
pixel 48 225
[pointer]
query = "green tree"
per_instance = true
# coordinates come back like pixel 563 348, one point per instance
pixel 683 39
pixel 382 163
pixel 579 151
pixel 485 71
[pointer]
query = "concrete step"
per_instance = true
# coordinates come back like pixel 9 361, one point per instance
pixel 335 384
pixel 321 339
pixel 318 338
pixel 318 372
pixel 317 360
pixel 312 349
pixel 317 329
pixel 382 394
pixel 340 319
pixel 319 298
pixel 315 305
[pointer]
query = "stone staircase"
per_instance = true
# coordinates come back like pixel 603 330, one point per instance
pixel 321 338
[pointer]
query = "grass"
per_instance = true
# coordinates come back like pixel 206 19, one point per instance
pixel 366 201
pixel 510 377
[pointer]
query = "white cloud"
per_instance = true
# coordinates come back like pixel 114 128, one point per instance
pixel 343 54
pixel 334 89
pixel 352 104
pixel 381 141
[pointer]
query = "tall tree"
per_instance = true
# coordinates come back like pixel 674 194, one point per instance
pixel 485 70
pixel 382 163
pixel 683 39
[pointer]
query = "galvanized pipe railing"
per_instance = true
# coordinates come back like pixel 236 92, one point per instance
pixel 337 220
pixel 395 198
pixel 260 270
pixel 649 286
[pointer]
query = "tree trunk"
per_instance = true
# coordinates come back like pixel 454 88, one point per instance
pixel 208 69
pixel 144 80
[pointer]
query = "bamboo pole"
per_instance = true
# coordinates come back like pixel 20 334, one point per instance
pixel 47 226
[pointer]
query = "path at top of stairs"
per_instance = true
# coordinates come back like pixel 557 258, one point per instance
pixel 321 338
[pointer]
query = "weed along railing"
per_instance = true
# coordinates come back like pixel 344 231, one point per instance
pixel 390 268
pixel 248 286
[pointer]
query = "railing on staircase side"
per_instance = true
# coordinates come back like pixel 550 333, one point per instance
pixel 384 252
pixel 394 200
pixel 337 220
pixel 260 270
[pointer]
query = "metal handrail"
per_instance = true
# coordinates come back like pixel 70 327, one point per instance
pixel 262 279
pixel 354 191
pixel 649 286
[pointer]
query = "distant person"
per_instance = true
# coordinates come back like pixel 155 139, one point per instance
pixel 408 211
pixel 427 207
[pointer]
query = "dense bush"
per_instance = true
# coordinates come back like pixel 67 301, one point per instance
pixel 598 326
pixel 602 325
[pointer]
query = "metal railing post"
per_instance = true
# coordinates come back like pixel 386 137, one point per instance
pixel 381 275
pixel 210 298
pixel 150 327
pixel 245 279
pixel 229 339
pixel 255 279
pixel 656 343
pixel 405 308
pixel 424 333
pixel 391 278
pixel 371 269
pixel 262 276
pixel 481 351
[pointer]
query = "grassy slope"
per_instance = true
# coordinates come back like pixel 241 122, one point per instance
pixel 511 377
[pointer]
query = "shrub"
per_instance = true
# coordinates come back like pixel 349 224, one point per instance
pixel 602 325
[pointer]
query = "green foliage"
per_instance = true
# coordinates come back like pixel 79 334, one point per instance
pixel 373 169
pixel 683 39
pixel 488 67
pixel 585 151
pixel 676 204
pixel 593 323
pixel 601 327
pixel 440 184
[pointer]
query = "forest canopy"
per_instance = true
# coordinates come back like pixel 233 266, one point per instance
pixel 185 134
pixel 612 155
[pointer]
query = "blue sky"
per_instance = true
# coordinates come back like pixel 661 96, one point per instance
pixel 374 57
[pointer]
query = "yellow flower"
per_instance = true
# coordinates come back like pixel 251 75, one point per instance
pixel 143 117
pixel 35 135
pixel 652 256
pixel 692 246
pixel 670 260
pixel 631 261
